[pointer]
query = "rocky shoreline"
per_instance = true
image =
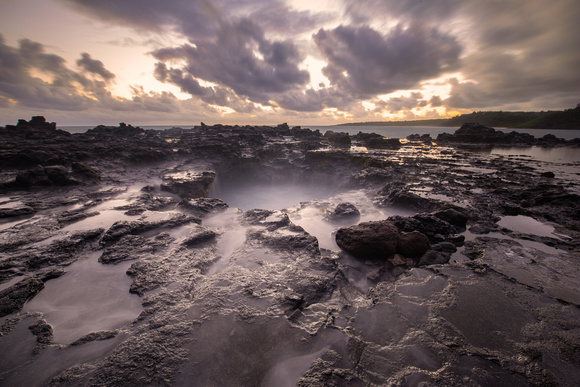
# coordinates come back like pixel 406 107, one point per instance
pixel 409 276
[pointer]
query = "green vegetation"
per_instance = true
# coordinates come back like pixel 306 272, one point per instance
pixel 566 119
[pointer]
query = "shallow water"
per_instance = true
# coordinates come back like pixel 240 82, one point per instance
pixel 90 297
pixel 527 225
pixel 560 155
pixel 272 196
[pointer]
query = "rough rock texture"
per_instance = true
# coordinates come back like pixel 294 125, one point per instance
pixel 189 185
pixel 203 206
pixel 224 296
pixel 369 240
pixel 343 211
pixel 412 244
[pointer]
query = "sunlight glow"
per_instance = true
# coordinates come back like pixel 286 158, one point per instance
pixel 314 67
pixel 368 105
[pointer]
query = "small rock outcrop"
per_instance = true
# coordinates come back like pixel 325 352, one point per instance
pixel 369 240
pixel 342 212
pixel 189 185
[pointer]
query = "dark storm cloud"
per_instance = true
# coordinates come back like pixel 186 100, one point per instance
pixel 190 17
pixel 240 58
pixel 367 63
pixel 366 11
pixel 435 101
pixel 517 52
pixel 527 55
pixel 95 66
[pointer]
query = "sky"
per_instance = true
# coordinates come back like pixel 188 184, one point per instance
pixel 304 62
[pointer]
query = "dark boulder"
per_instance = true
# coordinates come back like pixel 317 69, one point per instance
pixel 436 229
pixel 549 175
pixel 369 240
pixel 377 141
pixel 412 244
pixel 452 216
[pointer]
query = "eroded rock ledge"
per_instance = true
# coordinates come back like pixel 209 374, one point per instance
pixel 426 285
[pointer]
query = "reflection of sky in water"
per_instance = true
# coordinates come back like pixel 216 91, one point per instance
pixel 272 196
pixel 564 154
pixel 90 297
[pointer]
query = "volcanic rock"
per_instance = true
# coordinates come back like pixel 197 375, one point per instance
pixel 377 141
pixel 268 218
pixel 13 298
pixel 189 185
pixel 12 212
pixel 452 216
pixel 433 257
pixel 412 244
pixel 343 211
pixel 203 206
pixel 341 139
pixel 436 229
pixel 200 236
pixel 369 240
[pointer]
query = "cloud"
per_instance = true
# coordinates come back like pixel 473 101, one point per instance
pixel 189 17
pixel 31 78
pixel 397 104
pixel 367 11
pixel 367 63
pixel 435 101
pixel 95 66
pixel 17 83
pixel 240 59
pixel 250 54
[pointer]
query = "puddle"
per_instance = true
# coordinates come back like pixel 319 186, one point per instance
pixel 564 154
pixel 526 225
pixel 90 297
pixel 272 196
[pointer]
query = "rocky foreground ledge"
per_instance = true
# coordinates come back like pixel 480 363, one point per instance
pixel 410 275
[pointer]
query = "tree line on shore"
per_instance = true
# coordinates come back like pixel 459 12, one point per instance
pixel 560 119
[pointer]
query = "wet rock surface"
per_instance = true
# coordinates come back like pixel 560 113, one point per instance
pixel 430 264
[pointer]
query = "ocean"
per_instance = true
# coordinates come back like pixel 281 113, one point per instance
pixel 387 131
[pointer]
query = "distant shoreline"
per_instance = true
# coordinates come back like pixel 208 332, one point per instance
pixel 563 119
